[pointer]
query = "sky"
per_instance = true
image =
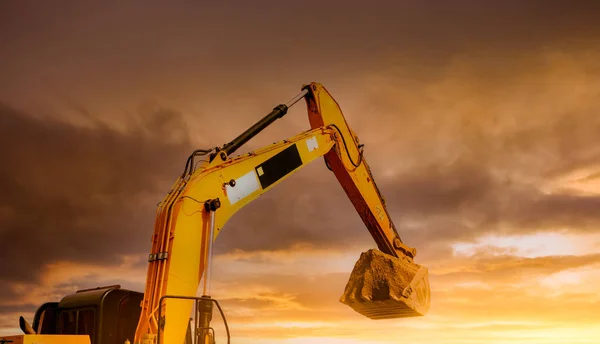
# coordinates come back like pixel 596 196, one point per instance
pixel 480 121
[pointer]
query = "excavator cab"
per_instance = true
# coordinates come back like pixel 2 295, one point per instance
pixel 108 315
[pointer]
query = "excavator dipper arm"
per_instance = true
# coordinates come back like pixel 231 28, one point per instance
pixel 180 244
pixel 352 171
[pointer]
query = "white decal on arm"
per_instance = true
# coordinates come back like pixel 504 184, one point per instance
pixel 244 186
pixel 312 144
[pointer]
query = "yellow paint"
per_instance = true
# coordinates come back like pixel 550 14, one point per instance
pixel 47 339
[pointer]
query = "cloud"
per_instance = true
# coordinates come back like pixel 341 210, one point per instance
pixel 470 130
pixel 493 299
pixel 87 195
pixel 469 147
pixel 56 279
pixel 502 269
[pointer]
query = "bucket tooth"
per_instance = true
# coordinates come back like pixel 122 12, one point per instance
pixel 382 286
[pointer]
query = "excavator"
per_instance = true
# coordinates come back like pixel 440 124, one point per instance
pixel 214 185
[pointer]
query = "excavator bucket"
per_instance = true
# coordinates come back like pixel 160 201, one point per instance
pixel 382 286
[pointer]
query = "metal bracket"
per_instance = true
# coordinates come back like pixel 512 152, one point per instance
pixel 212 205
pixel 158 256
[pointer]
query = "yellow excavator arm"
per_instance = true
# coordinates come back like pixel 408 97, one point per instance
pixel 203 199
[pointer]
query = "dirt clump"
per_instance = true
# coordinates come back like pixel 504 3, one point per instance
pixel 382 286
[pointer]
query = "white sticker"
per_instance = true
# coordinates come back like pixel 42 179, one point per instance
pixel 244 186
pixel 312 144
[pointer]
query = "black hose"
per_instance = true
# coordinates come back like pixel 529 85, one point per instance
pixel 360 148
pixel 189 164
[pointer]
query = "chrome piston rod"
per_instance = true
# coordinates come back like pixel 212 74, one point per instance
pixel 208 269
pixel 297 98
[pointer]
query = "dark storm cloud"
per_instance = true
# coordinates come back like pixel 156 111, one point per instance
pixel 462 203
pixel 476 193
pixel 481 145
pixel 186 49
pixel 81 194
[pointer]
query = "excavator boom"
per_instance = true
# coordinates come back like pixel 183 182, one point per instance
pixel 346 161
pixel 180 244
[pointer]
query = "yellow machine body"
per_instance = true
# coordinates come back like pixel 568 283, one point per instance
pixel 204 198
pixel 45 339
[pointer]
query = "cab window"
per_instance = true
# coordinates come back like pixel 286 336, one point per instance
pixel 67 322
pixel 85 322
pixel 77 321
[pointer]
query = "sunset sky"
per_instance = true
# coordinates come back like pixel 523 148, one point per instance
pixel 481 124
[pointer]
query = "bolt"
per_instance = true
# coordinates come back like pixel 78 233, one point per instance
pixel 223 156
pixel 232 183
